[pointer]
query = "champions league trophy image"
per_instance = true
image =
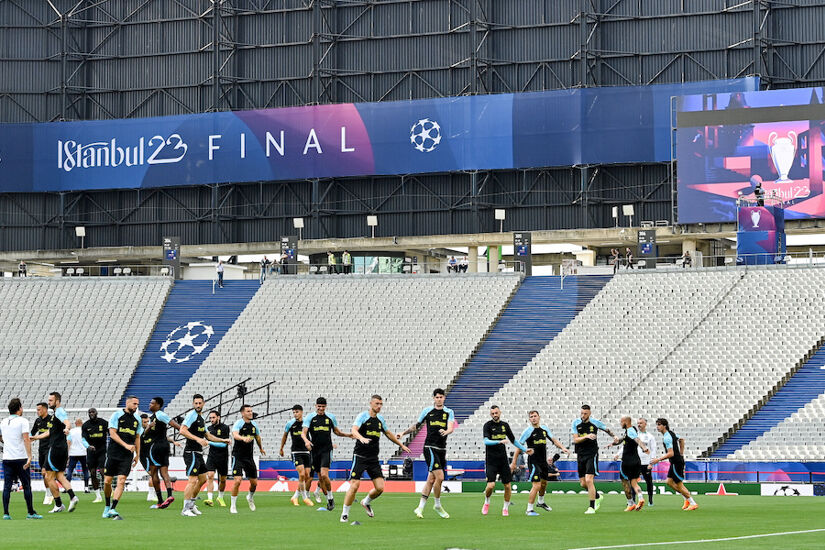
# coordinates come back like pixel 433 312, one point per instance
pixel 755 216
pixel 783 151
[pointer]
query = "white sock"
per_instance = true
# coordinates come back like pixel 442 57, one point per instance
pixel 305 493
pixel 506 504
pixel 541 499
pixel 295 495
pixel 486 500
pixel 234 501
pixel 529 507
pixel 220 494
pixel 346 510
pixel 437 502
pixel 367 500
pixel 691 500
pixel 330 496
pixel 209 495
pixel 317 489
pixel 97 493
pixel 630 502
pixel 422 502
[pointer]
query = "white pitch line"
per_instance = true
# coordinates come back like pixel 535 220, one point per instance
pixel 700 541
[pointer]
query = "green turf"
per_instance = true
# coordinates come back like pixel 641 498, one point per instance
pixel 277 524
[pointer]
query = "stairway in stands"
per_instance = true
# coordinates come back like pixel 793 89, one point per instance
pixel 538 311
pixel 192 323
pixel 804 386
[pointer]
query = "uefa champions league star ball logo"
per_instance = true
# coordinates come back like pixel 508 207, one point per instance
pixel 186 341
pixel 425 135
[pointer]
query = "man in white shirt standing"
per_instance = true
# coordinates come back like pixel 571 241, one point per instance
pixel 650 442
pixel 17 457
pixel 77 453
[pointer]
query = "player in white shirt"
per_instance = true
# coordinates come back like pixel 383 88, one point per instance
pixel 77 453
pixel 17 457
pixel 650 441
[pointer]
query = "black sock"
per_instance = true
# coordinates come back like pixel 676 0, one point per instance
pixel 114 504
pixel 70 493
pixel 58 502
pixel 425 497
pixel 252 490
pixel 592 503
pixel 159 494
pixel 109 502
pixel 168 492
pixel 598 496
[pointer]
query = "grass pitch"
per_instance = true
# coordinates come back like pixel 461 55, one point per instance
pixel 278 524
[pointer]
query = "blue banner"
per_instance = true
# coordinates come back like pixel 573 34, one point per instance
pixel 506 131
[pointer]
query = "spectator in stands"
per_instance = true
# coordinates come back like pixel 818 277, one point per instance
pixel 265 263
pixel 21 269
pixel 687 261
pixel 759 193
pixel 464 264
pixel 616 259
pixel 283 263
pixel 77 453
pixel 346 262
pixel 553 473
pixel 452 265
pixel 628 258
pixel 521 467
pixel 219 270
pixel 332 263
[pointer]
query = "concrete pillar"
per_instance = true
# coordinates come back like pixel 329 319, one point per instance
pixel 689 245
pixel 472 259
pixel 492 259
pixel 587 257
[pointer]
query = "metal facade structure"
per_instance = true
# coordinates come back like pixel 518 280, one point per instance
pixel 102 59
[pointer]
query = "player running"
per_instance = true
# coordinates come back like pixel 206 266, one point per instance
pixel 535 438
pixel 367 430
pixel 95 431
pixel 320 425
pixel 584 433
pixel 194 430
pixel 300 455
pixel 675 452
pixel 218 460
pixel 41 427
pixel 158 452
pixel 496 433
pixel 440 422
pixel 57 456
pixel 122 455
pixel 631 467
pixel 245 432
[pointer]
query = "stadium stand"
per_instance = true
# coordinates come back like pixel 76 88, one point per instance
pixel 80 337
pixel 348 337
pixel 798 437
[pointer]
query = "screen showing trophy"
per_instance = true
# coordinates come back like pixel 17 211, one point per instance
pixel 750 144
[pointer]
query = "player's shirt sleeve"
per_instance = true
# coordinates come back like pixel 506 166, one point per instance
pixel 84 442
pixel 288 425
pixel 190 418
pixel 24 425
pixel 524 435
pixel 140 429
pixel 576 422
pixel 360 419
pixel 599 424
pixel 60 414
pixel 308 419
pixel 384 426
pixel 668 441
pixel 334 420
pixel 257 428
pixel 238 425
pixel 549 433
pixel 423 415
pixel 632 433
pixel 163 417
pixel 451 415
pixel 114 419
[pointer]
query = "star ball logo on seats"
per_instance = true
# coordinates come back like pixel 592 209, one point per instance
pixel 425 135
pixel 186 341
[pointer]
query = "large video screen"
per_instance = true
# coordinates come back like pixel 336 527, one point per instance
pixel 729 143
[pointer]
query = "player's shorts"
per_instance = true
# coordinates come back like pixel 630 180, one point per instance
pixel 42 457
pixel 144 458
pixel 676 472
pixel 217 463
pixel 436 458
pixel 537 470
pixel 588 465
pixel 95 460
pixel 361 464
pixel 321 459
pixel 498 467
pixel 302 458
pixel 159 454
pixel 117 466
pixel 56 460
pixel 194 463
pixel 630 470
pixel 244 466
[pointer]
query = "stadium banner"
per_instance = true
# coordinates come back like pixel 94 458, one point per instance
pixel 730 142
pixel 502 131
pixel 616 487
